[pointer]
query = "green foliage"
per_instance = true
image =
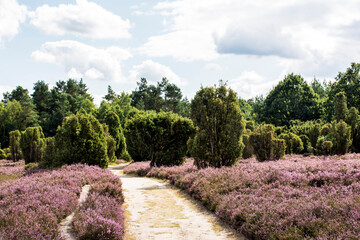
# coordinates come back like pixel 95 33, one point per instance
pixel 340 107
pixel 266 147
pixel 164 96
pixel 111 148
pixel 116 132
pixel 7 153
pixel 250 125
pixel 308 149
pixel 81 139
pixel 216 113
pixel 353 119
pixel 347 82
pixel 15 145
pixel 291 99
pixel 32 144
pixel 279 147
pixel 314 133
pixel 158 137
pixel 293 142
pixel 342 135
pixel 327 147
pixel 49 158
pixel 2 154
pixel 31 166
pixel 248 151
pixel 325 129
pixel 246 108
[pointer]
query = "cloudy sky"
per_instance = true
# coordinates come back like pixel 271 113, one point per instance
pixel 250 44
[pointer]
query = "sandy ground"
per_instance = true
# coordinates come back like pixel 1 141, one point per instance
pixel 156 210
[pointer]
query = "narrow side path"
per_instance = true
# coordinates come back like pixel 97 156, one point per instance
pixel 66 230
pixel 156 210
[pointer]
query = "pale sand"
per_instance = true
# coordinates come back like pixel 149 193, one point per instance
pixel 156 210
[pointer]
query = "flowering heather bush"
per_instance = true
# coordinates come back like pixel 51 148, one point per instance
pixel 32 206
pixel 101 215
pixel 296 198
pixel 170 173
pixel 138 168
pixel 10 170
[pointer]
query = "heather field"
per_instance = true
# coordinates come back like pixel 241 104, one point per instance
pixel 10 170
pixel 296 198
pixel 32 206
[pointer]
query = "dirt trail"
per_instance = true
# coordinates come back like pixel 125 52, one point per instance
pixel 156 210
pixel 66 230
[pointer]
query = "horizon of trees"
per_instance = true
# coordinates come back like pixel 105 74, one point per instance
pixel 291 99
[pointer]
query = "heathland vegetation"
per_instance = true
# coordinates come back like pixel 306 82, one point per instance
pixel 301 197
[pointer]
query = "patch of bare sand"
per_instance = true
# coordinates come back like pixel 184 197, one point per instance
pixel 156 210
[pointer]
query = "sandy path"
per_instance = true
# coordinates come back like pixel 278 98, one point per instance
pixel 156 210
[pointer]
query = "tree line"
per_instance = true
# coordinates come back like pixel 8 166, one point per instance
pixel 154 122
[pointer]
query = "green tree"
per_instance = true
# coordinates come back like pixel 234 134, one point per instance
pixel 342 135
pixel 293 143
pixel 291 99
pixel 117 133
pixel 216 114
pixel 347 82
pixel 15 145
pixel 158 137
pixel 265 145
pixel 353 119
pixel 81 139
pixel 340 107
pixel 32 144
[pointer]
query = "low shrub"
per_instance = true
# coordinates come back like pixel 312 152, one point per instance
pixel 32 206
pixel 263 143
pixel 158 137
pixel 2 154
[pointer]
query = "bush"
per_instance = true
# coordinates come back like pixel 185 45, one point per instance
pixel 293 143
pixel 325 130
pixel 216 114
pixel 326 147
pixel 49 158
pixel 342 135
pixel 31 166
pixel 2 154
pixel 279 147
pixel 7 153
pixel 111 147
pixel 308 149
pixel 15 145
pixel 263 142
pixel 158 137
pixel 314 133
pixel 112 120
pixel 32 144
pixel 81 139
pixel 248 151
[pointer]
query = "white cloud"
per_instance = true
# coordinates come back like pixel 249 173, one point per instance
pixel 212 67
pixel 304 35
pixel 250 84
pixel 154 72
pixel 86 19
pixel 11 16
pixel 81 60
pixel 184 45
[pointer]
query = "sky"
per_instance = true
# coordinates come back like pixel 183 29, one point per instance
pixel 252 45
